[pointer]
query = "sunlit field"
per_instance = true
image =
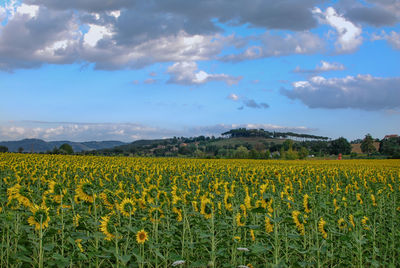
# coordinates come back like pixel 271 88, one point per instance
pixel 83 211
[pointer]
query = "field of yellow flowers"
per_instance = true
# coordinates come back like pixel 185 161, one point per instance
pixel 85 211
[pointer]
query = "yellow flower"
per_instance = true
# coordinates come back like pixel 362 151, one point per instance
pixel 236 238
pixel 238 220
pixel 76 220
pixel 78 243
pixel 141 236
pixel 335 205
pixel 108 225
pixel 156 214
pixel 40 218
pixel 299 225
pixel 227 201
pixel 351 220
pixel 342 224
pixel 85 191
pixel 269 227
pixel 127 207
pixel 207 208
pixel 364 222
pixel 108 198
pixel 253 237
pixel 359 199
pixel 305 203
pixel 178 213
pixel 373 200
pixel 321 225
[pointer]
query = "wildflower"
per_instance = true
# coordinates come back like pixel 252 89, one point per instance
pixel 321 225
pixel 176 263
pixel 40 218
pixel 335 205
pixel 141 236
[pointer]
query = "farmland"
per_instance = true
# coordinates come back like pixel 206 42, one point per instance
pixel 151 212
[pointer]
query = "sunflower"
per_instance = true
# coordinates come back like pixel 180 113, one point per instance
pixel 19 193
pixel 207 208
pixel 364 222
pixel 40 218
pixel 299 225
pixel 85 191
pixel 178 213
pixel 108 225
pixel 76 219
pixel 57 190
pixel 269 227
pixel 141 236
pixel 127 207
pixel 305 203
pixel 228 201
pixel 79 245
pixel 156 214
pixel 108 198
pixel 238 220
pixel 321 225
pixel 342 224
pixel 163 198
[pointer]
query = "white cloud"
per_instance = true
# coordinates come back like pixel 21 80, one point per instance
pixel 233 97
pixel 276 46
pixel 96 33
pixel 323 67
pixel 349 35
pixel 363 92
pixel 30 10
pixel 127 132
pixel 187 73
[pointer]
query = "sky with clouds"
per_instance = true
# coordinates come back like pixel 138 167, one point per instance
pixel 127 69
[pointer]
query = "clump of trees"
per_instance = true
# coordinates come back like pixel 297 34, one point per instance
pixel 3 149
pixel 63 149
pixel 390 147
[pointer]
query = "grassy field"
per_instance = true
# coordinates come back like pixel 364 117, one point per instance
pixel 82 211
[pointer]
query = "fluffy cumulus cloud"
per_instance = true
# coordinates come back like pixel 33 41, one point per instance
pixel 348 34
pixel 363 92
pixel 127 132
pixel 132 34
pixel 187 73
pixel 323 67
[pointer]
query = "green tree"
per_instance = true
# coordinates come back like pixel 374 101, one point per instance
pixel 340 146
pixel 20 149
pixel 390 147
pixel 367 145
pixel 303 153
pixel 66 148
pixel 241 152
pixel 3 149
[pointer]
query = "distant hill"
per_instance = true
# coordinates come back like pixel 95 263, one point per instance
pixel 37 145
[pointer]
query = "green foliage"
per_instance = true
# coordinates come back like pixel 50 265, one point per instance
pixel 390 147
pixel 367 145
pixel 241 152
pixel 3 149
pixel 340 146
pixel 66 149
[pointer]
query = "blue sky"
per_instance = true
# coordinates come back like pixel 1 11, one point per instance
pixel 124 70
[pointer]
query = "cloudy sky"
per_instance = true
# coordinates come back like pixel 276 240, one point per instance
pixel 128 69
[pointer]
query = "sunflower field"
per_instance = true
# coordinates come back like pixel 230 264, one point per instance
pixel 87 211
